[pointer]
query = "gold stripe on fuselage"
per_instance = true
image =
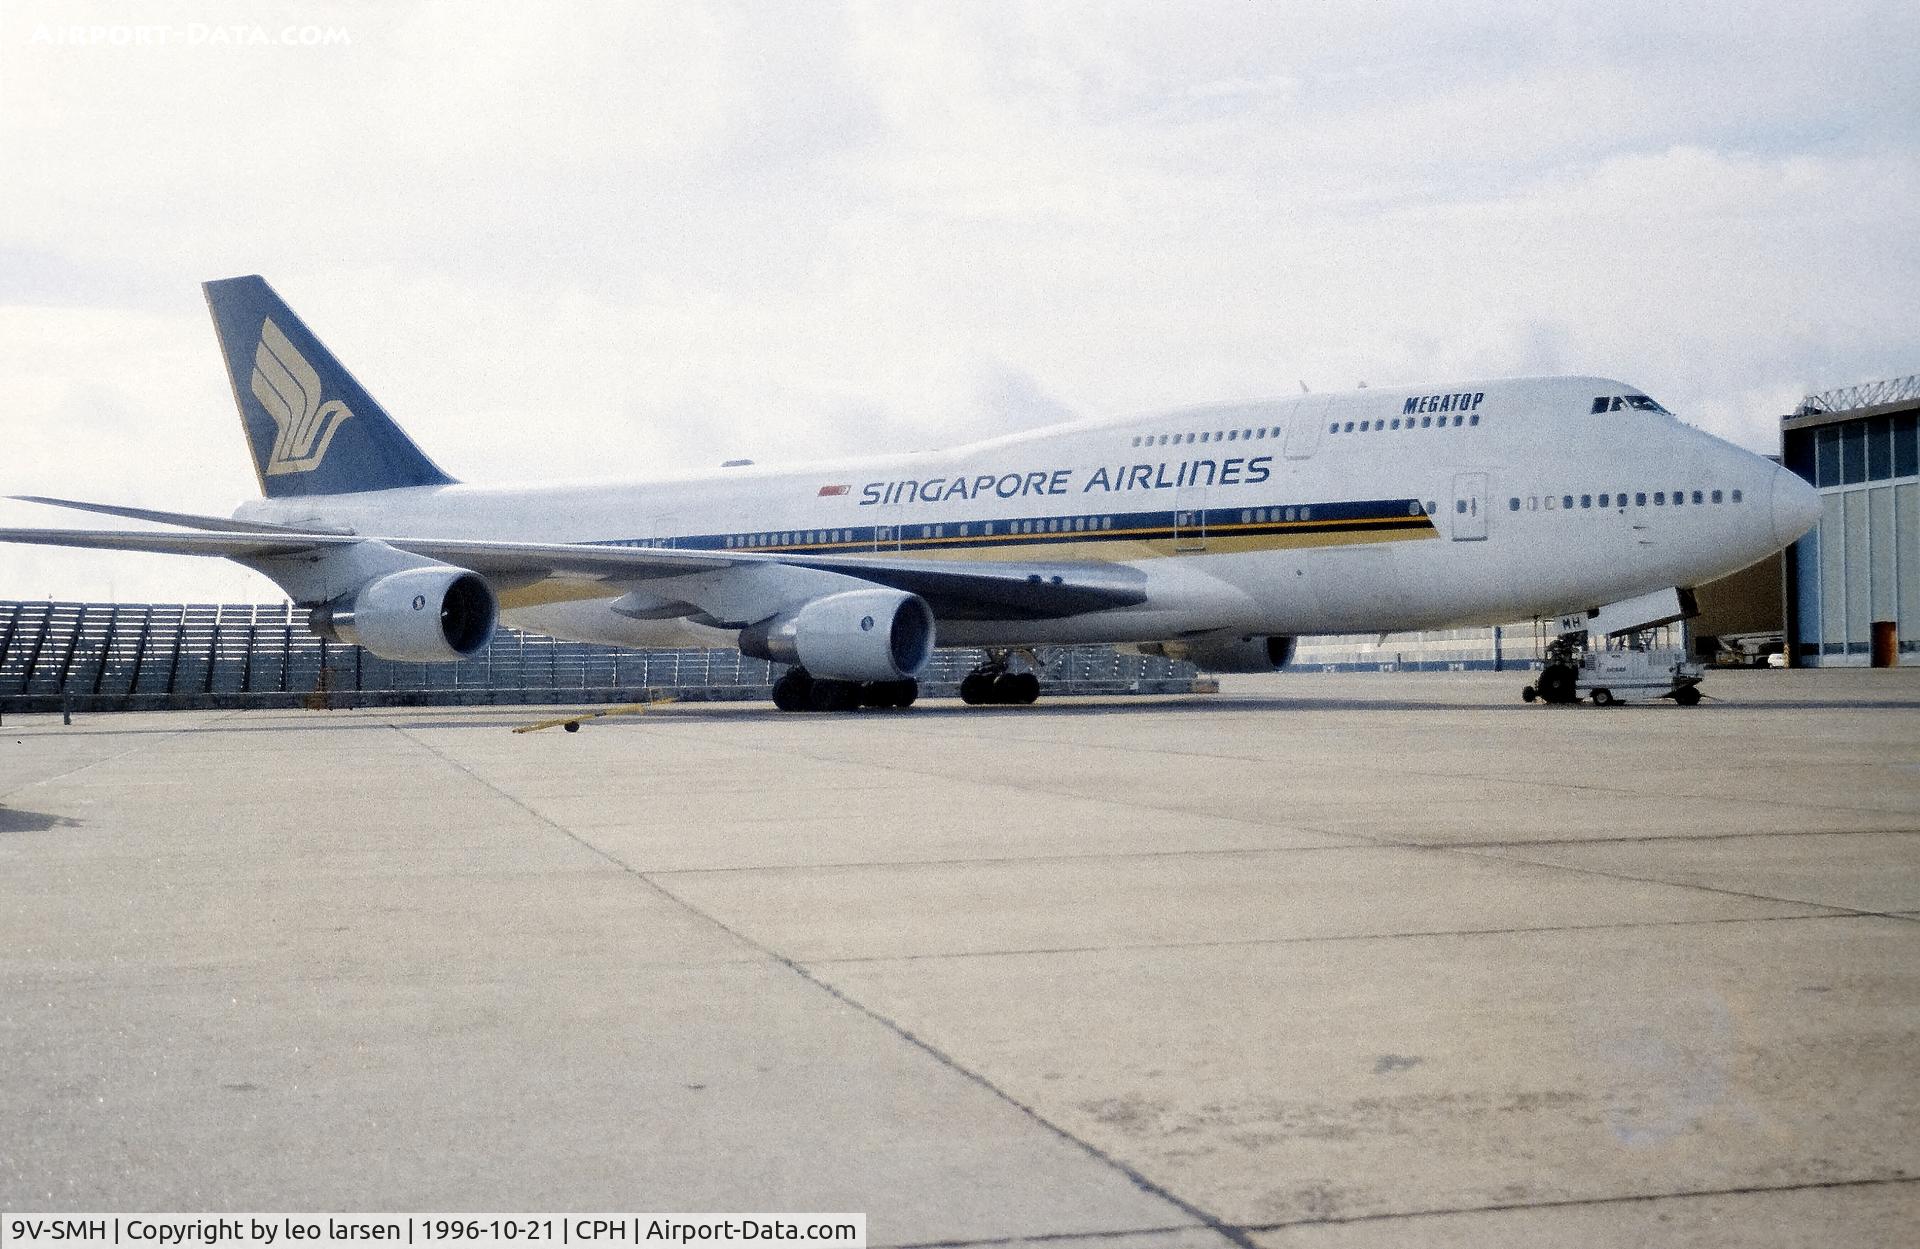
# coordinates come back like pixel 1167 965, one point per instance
pixel 1103 546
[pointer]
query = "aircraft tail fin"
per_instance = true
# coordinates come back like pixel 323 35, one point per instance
pixel 311 427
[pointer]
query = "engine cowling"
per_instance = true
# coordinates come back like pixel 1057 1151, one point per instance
pixel 420 615
pixel 1227 654
pixel 855 635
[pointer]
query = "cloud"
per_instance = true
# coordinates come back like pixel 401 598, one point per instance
pixel 645 237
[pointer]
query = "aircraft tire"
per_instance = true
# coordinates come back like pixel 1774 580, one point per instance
pixel 976 689
pixel 793 691
pixel 1687 696
pixel 828 695
pixel 884 694
pixel 1026 688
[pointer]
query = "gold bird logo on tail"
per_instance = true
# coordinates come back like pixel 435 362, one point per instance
pixel 289 389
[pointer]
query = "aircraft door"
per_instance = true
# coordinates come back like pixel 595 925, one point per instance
pixel 886 527
pixel 1189 519
pixel 1303 431
pixel 1469 507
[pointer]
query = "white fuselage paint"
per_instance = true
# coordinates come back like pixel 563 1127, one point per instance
pixel 1536 440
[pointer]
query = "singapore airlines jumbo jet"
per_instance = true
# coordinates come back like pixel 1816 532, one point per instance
pixel 1217 534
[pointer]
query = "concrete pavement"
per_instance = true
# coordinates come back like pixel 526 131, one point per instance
pixel 1323 960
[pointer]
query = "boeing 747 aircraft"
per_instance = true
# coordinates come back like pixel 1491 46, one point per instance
pixel 1217 534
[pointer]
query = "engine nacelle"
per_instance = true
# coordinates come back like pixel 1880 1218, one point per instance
pixel 1226 654
pixel 421 615
pixel 855 635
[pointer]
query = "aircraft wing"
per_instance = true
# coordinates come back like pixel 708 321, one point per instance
pixel 190 520
pixel 1008 590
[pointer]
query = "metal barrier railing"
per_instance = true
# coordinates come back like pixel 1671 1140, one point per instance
pixel 246 654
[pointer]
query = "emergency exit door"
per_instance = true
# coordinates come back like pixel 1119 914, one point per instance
pixel 1469 507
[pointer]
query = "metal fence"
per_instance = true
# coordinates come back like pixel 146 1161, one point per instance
pixel 131 656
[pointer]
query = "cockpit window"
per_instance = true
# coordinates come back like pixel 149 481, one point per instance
pixel 1614 403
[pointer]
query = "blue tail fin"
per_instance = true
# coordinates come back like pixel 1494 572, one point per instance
pixel 312 428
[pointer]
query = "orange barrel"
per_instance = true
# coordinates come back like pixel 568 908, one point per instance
pixel 1886 652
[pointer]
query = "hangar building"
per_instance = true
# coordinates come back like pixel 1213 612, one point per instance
pixel 1860 446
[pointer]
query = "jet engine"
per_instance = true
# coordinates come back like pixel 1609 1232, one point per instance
pixel 855 635
pixel 1226 654
pixel 421 615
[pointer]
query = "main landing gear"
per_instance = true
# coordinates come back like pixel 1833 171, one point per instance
pixel 799 690
pixel 992 684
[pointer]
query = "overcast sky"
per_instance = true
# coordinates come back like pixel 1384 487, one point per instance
pixel 604 240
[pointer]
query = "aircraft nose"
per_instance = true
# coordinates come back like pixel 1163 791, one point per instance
pixel 1796 506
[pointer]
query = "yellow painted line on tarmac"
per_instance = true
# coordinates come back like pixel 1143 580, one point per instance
pixel 572 723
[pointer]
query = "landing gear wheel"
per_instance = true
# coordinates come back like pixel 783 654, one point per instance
pixel 1557 684
pixel 794 690
pixel 1014 689
pixel 1603 698
pixel 883 694
pixel 1687 696
pixel 834 696
pixel 994 684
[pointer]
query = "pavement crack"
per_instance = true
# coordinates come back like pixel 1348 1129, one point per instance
pixel 1573 1202
pixel 939 1056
